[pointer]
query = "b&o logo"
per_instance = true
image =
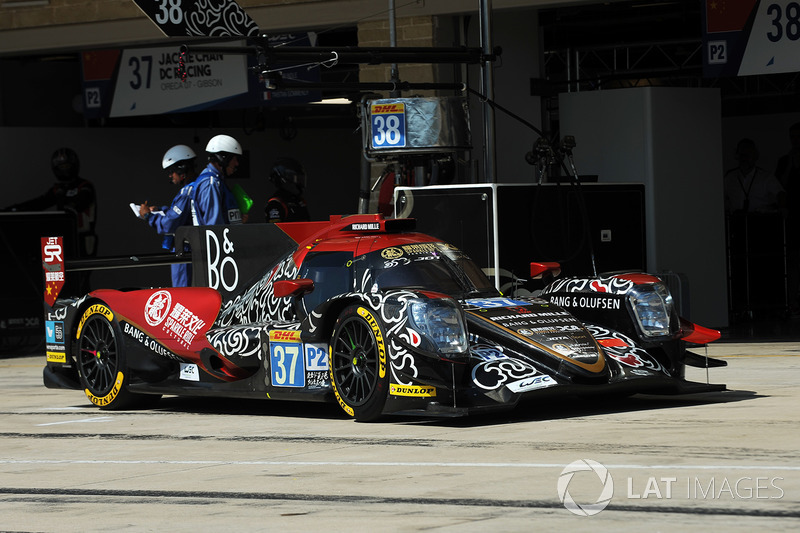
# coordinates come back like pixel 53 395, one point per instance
pixel 221 270
pixel 586 509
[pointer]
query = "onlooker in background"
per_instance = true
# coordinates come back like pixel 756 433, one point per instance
pixel 72 194
pixel 179 162
pixel 788 169
pixel 213 202
pixel 788 173
pixel 749 188
pixel 287 203
pixel 754 207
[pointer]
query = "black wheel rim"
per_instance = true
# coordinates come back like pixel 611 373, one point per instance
pixel 98 358
pixel 355 361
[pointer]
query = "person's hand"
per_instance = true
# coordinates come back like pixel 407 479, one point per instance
pixel 145 209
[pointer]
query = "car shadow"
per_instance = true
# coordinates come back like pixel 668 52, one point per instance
pixel 249 406
pixel 376 433
pixel 531 410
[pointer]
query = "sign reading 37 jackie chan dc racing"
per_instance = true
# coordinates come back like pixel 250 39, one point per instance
pixel 748 37
pixel 149 81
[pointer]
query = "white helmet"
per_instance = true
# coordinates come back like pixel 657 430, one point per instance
pixel 176 154
pixel 223 143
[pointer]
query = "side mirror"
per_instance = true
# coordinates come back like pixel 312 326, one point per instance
pixel 538 270
pixel 292 287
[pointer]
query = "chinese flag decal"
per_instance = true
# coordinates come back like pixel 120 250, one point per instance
pixel 53 264
pixel 728 15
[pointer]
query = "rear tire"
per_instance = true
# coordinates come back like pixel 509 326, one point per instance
pixel 357 359
pixel 102 364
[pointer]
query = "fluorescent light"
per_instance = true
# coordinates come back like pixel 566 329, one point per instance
pixel 25 3
pixel 339 101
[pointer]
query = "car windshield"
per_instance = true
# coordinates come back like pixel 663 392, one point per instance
pixel 432 266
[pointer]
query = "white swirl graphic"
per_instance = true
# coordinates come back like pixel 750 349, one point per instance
pixel 218 18
pixel 609 285
pixel 240 342
pixel 392 310
pixel 258 303
pixel 492 375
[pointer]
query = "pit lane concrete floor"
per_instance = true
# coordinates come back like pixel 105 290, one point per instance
pixel 727 460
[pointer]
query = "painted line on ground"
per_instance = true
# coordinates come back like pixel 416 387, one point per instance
pixel 749 356
pixel 62 497
pixel 81 421
pixel 387 463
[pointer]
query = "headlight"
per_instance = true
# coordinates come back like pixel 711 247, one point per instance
pixel 652 307
pixel 441 322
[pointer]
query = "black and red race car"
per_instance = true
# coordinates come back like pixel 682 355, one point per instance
pixel 365 312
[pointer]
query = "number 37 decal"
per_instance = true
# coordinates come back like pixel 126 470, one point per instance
pixel 290 360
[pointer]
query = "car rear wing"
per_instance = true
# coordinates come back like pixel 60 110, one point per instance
pixel 232 258
pixel 56 264
pixel 228 258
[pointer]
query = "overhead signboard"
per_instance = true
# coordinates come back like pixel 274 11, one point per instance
pixel 154 81
pixel 209 18
pixel 150 81
pixel 747 37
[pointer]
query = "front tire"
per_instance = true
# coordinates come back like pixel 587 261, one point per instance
pixel 357 361
pixel 101 360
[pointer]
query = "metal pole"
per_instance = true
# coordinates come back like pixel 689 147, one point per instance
pixel 394 72
pixel 569 70
pixel 489 151
pixel 394 77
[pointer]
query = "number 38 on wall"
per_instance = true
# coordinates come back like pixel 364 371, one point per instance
pixel 388 125
pixel 784 21
pixel 169 11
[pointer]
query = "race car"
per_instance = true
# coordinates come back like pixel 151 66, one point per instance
pixel 365 312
